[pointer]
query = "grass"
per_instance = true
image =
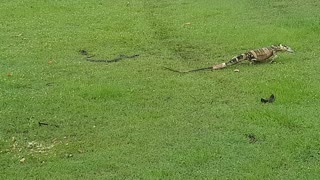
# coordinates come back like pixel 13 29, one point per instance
pixel 135 120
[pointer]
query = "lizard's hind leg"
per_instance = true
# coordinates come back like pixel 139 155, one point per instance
pixel 233 61
pixel 219 66
pixel 236 60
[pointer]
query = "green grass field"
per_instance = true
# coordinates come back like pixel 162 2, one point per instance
pixel 135 120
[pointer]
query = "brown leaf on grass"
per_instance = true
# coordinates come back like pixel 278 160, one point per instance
pixel 68 155
pixel 22 160
pixel 252 138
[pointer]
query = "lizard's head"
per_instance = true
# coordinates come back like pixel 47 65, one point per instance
pixel 283 48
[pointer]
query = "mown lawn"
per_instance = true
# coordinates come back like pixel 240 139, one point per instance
pixel 133 119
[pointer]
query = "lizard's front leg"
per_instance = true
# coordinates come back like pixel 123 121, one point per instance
pixel 273 57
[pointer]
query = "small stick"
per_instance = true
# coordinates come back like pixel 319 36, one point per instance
pixel 46 124
pixel 43 124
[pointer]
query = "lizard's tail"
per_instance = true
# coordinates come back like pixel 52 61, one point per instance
pixel 194 70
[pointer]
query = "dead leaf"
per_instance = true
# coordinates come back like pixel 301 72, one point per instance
pixel 22 160
pixel 18 35
pixel 68 155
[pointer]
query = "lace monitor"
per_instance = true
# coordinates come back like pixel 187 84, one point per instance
pixel 258 55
